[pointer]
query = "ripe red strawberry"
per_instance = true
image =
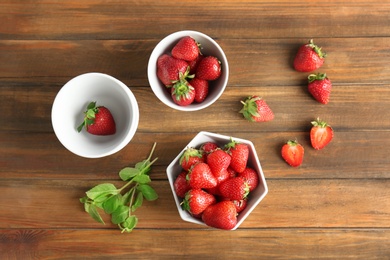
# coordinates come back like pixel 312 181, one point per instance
pixel 239 204
pixel 208 147
pixel 320 134
pixel 239 153
pixel 209 68
pixel 197 200
pixel 234 188
pixel 98 120
pixel 219 161
pixel 186 49
pixel 255 109
pixel 320 87
pixel 201 177
pixel 190 157
pixel 201 87
pixel 309 57
pixel 181 185
pixel 292 153
pixel 183 93
pixel 194 64
pixel 251 177
pixel 170 68
pixel 222 215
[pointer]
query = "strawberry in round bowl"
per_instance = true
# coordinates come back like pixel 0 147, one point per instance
pixel 217 180
pixel 188 71
pixel 94 115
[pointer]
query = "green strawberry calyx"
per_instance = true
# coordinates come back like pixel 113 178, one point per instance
pixel 249 109
pixel 318 76
pixel 319 123
pixel 190 152
pixel 317 49
pixel 90 115
pixel 232 144
pixel 181 87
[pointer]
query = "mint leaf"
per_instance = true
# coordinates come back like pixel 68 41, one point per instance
pixel 111 204
pixel 129 224
pixel 143 179
pixel 138 201
pixel 102 190
pixel 120 214
pixel 92 211
pixel 148 192
pixel 128 173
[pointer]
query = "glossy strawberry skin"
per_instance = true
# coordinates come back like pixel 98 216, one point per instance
pixel 181 185
pixel 201 177
pixel 197 200
pixel 319 87
pixel 186 49
pixel 239 153
pixel 209 68
pixel 104 123
pixel 293 152
pixel 255 109
pixel 309 58
pixel 222 215
pixel 320 134
pixel 251 177
pixel 201 88
pixel 234 188
pixel 219 161
pixel 170 68
pixel 194 64
pixel 190 157
pixel 182 93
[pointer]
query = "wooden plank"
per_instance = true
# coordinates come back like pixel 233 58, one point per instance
pixel 359 107
pixel 290 203
pixel 40 155
pixel 190 244
pixel 252 62
pixel 133 19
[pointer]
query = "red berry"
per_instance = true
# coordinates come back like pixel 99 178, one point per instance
pixel 222 215
pixel 181 185
pixel 201 87
pixel 319 87
pixel 255 109
pixel 251 177
pixel 219 161
pixel 197 200
pixel 201 177
pixel 234 188
pixel 292 153
pixel 190 157
pixel 209 68
pixel 98 120
pixel 320 134
pixel 239 153
pixel 309 57
pixel 171 70
pixel 186 49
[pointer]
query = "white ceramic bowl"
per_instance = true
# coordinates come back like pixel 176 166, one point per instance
pixel 255 196
pixel 71 103
pixel 209 47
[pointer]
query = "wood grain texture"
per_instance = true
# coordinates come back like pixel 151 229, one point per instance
pixel 334 206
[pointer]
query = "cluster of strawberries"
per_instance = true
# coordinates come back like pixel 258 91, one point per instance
pixel 186 72
pixel 215 182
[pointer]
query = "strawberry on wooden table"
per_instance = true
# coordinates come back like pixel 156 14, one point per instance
pixel 197 200
pixel 319 87
pixel 239 153
pixel 170 69
pixel 320 134
pixel 98 120
pixel 292 153
pixel 187 48
pixel 255 109
pixel 222 215
pixel 309 57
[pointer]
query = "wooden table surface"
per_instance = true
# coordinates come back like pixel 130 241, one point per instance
pixel 335 205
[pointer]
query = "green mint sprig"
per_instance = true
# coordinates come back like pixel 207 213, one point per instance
pixel 122 203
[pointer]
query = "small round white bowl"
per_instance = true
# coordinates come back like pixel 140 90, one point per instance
pixel 71 102
pixel 255 196
pixel 209 47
